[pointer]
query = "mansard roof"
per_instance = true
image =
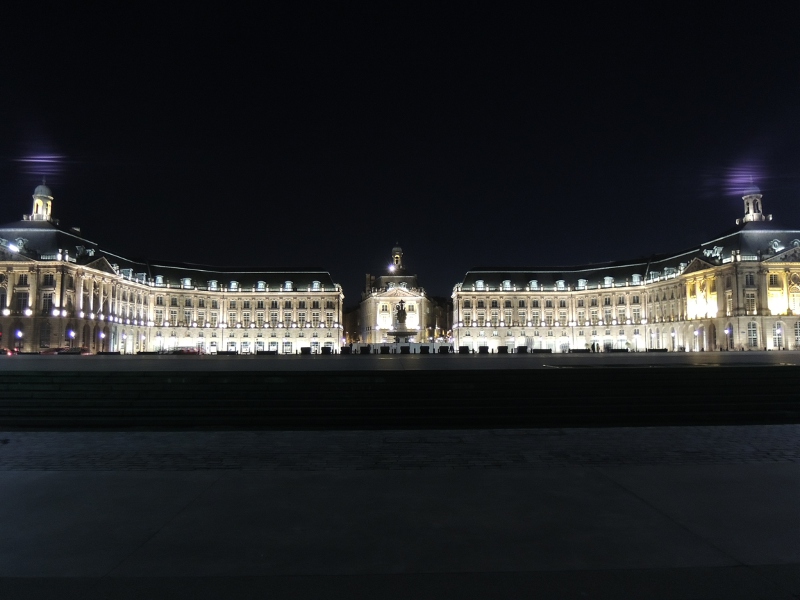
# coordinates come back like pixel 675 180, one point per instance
pixel 43 240
pixel 753 241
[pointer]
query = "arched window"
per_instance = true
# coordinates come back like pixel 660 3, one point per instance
pixel 44 335
pixel 752 335
pixel 778 330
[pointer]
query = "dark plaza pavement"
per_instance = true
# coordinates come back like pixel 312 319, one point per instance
pixel 638 512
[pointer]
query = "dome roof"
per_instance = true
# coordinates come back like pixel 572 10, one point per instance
pixel 42 190
pixel 397 250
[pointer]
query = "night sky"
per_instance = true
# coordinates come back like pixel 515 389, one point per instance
pixel 471 135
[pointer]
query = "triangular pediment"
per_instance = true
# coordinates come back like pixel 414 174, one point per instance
pixel 696 265
pixel 790 255
pixel 397 292
pixel 101 264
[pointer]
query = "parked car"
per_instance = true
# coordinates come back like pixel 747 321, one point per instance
pixel 77 350
pixel 7 352
pixel 52 350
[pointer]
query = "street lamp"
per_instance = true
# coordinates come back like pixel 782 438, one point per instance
pixel 780 338
pixel 727 339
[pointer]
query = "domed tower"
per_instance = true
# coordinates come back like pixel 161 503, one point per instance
pixel 42 203
pixel 397 259
pixel 752 205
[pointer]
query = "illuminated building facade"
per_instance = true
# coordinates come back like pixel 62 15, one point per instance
pixel 58 289
pixel 739 291
pixel 377 314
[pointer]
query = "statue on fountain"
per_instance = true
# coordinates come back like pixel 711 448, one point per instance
pixel 401 315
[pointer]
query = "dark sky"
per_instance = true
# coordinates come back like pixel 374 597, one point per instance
pixel 471 135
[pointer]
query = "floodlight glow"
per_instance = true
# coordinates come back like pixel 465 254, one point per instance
pixel 56 312
pixel 13 247
pixel 28 312
pixel 6 312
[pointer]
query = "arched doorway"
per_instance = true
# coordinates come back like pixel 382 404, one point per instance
pixel 712 337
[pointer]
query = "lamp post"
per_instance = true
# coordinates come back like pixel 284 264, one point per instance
pixel 727 339
pixel 780 338
pixel 696 339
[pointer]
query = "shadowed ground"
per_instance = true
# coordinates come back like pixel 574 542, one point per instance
pixel 691 511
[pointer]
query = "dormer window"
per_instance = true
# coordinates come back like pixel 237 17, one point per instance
pixel 315 286
pixel 561 284
pixel 186 282
pixel 506 285
pixel 287 286
pixel 212 285
pixel 582 283
pixel 234 286
pixel 533 284
pixel 480 285
pixel 159 280
pixel 608 282
pixel 636 278
pixel 390 285
pixel 403 284
pixel 261 286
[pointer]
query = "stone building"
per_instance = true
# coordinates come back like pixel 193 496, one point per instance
pixel 59 289
pixel 376 317
pixel 739 290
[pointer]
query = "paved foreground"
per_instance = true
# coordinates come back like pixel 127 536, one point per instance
pixel 660 512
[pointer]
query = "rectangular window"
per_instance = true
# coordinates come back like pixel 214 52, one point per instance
pixel 637 315
pixel 315 304
pixel 214 304
pixel 580 302
pixel 201 318
pixel 750 303
pixel 22 301
pixel 774 280
pixel 201 303
pixel 522 317
pixel 301 304
pixel 232 304
pixel 287 319
pixel 273 319
pixel 729 303
pixel 329 319
pixel 159 317
pixel 301 319
pixel 467 317
pixel 260 319
pixel 246 304
pixel 47 302
pixel 607 316
pixel 187 302
pixel 260 304
pixel 287 304
pixel 23 279
pixel 315 319
pixel 273 304
pixel 231 319
pixel 187 317
pixel 214 319
pixel 749 279
pixel 521 304
pixel 329 304
pixel 49 280
pixel 245 319
pixel 562 318
pixel 173 317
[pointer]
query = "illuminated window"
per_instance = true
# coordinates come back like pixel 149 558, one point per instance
pixel 750 303
pixel 752 335
pixel 774 280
